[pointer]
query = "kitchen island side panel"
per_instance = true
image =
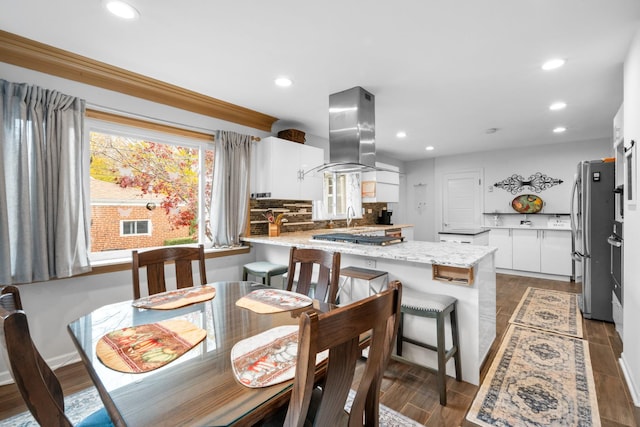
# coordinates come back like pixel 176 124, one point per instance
pixel 476 306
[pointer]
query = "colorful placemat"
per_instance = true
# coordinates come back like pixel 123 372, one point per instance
pixel 537 378
pixel 268 358
pixel 273 301
pixel 143 348
pixel 176 298
pixel 553 311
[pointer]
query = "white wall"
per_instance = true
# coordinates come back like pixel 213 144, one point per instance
pixel 556 161
pixel 419 191
pixel 631 317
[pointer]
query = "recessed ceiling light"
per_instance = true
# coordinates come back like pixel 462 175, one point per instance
pixel 552 64
pixel 283 81
pixel 401 134
pixel 121 9
pixel 430 148
pixel 558 106
pixel 559 129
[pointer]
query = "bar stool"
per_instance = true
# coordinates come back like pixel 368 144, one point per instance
pixel 434 306
pixel 264 269
pixel 371 276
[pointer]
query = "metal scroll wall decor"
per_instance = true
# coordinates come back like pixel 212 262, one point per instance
pixel 536 182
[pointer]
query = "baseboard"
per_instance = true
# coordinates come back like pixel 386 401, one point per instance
pixel 54 363
pixel 534 274
pixel 633 388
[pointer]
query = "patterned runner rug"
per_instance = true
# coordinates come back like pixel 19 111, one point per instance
pixel 553 311
pixel 537 378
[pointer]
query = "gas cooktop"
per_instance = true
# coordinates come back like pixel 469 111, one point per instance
pixel 359 239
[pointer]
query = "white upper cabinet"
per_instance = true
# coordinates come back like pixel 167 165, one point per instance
pixel 381 186
pixel 279 167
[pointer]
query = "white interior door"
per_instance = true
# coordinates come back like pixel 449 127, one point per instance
pixel 462 199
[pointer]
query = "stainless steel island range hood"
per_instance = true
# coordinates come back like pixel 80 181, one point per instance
pixel 352 132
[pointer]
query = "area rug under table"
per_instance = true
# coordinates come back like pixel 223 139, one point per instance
pixel 537 378
pixel 553 311
pixel 83 403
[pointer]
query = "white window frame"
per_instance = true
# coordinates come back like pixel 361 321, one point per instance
pixel 149 227
pixel 95 125
pixel 328 208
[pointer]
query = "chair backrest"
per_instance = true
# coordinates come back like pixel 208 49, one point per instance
pixel 37 383
pixel 303 260
pixel 155 259
pixel 340 331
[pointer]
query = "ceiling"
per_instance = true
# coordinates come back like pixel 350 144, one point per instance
pixel 443 71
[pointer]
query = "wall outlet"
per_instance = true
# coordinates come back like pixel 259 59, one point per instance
pixel 370 263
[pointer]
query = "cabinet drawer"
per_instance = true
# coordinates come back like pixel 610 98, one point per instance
pixel 457 275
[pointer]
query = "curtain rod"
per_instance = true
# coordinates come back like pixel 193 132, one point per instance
pixel 137 116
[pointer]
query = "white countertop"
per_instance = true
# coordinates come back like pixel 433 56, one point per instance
pixel 465 231
pixel 453 254
pixel 533 227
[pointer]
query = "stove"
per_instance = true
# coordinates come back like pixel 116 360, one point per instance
pixel 359 239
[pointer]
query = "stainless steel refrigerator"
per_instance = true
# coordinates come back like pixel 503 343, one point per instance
pixel 592 215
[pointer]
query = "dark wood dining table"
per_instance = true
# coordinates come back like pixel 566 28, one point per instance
pixel 199 388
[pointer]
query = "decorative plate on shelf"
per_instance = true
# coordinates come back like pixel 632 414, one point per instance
pixel 527 203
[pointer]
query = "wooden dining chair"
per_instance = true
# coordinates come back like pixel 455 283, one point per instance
pixel 340 332
pixel 37 383
pixel 154 260
pixel 303 260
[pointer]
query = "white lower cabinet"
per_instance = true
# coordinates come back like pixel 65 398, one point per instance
pixel 526 250
pixel 540 251
pixel 555 252
pixel 501 239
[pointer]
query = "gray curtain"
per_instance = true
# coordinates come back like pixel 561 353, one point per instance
pixel 44 177
pixel 230 195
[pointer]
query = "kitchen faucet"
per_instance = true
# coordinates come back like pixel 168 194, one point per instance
pixel 350 217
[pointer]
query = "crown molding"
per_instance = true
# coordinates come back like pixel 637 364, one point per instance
pixel 47 59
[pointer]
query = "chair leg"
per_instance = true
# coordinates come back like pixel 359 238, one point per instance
pixel 442 362
pixel 400 335
pixel 244 274
pixel 456 343
pixel 267 279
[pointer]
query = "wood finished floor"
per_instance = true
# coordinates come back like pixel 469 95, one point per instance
pixel 412 391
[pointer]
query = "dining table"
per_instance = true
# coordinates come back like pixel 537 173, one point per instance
pixel 199 388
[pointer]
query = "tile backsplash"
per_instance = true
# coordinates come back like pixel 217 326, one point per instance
pixel 298 215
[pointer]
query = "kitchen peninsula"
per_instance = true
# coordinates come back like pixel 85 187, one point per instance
pixel 414 264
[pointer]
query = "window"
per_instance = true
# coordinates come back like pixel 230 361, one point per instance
pixel 130 228
pixel 148 189
pixel 340 191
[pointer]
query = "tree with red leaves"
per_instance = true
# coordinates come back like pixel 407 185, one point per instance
pixel 169 171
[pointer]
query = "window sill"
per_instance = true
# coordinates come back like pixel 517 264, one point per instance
pixel 123 264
